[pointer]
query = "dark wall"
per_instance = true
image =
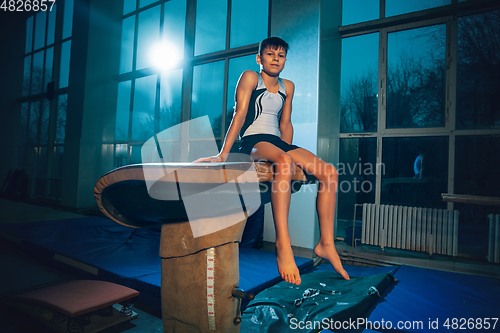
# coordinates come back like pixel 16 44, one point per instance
pixel 12 37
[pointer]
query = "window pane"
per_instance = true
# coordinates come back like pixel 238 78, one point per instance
pixel 44 125
pixel 120 155
pixel 478 71
pixel 211 20
pixel 23 132
pixel 23 135
pixel 143 3
pixel 49 59
pixel 33 122
pixel 41 167
pixel 128 6
pixel 65 58
pixel 249 22
pixel 58 161
pixel 198 149
pixel 397 7
pixel 416 78
pixel 352 14
pixel 236 67
pixel 51 29
pixel 476 165
pixel 170 99
pixel 37 73
pixel 476 173
pixel 26 76
pixel 67 19
pixel 123 111
pixel 144 108
pixel 416 171
pixel 127 45
pixel 174 25
pixel 359 76
pixel 62 107
pixel 148 36
pixel 207 98
pixel 135 155
pixel 29 34
pixel 357 174
pixel 40 20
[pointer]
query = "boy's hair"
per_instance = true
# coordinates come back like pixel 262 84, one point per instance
pixel 274 43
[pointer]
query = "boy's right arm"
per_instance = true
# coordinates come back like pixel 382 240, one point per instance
pixel 246 84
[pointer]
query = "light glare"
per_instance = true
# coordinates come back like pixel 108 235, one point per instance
pixel 164 56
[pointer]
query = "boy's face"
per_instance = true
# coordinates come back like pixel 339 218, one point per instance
pixel 272 61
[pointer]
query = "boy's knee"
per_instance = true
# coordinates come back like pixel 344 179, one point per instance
pixel 330 174
pixel 284 162
pixel 284 159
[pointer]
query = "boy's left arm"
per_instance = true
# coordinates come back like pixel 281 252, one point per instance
pixel 286 127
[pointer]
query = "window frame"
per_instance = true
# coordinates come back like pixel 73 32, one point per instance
pixel 187 65
pixel 52 145
pixel 449 15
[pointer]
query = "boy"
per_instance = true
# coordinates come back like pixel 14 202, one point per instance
pixel 262 118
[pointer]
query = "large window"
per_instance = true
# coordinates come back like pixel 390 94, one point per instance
pixel 420 105
pixel 416 77
pixel 44 101
pixel 181 59
pixel 359 76
pixel 478 71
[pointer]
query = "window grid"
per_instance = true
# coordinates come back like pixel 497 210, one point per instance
pixel 187 65
pixel 47 148
pixel 448 15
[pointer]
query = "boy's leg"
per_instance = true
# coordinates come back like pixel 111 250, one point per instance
pixel 325 204
pixel 280 201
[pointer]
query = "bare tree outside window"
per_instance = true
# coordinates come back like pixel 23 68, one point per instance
pixel 478 71
pixel 359 104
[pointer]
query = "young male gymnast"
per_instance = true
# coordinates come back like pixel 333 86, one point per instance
pixel 262 119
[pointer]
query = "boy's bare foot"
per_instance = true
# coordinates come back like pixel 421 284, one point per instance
pixel 286 264
pixel 328 252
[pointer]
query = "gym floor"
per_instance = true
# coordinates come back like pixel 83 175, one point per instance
pixel 21 272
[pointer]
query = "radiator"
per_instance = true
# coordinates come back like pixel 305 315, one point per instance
pixel 494 239
pixel 410 228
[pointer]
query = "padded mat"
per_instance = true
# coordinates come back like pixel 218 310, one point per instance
pixel 321 299
pixel 427 296
pixel 359 270
pixel 100 244
pixel 94 241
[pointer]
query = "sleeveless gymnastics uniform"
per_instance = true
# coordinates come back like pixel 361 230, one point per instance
pixel 263 118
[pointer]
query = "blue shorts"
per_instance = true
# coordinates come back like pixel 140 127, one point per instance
pixel 248 142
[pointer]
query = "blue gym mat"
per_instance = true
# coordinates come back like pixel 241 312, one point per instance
pixel 95 247
pixel 439 301
pixel 429 300
pixel 91 246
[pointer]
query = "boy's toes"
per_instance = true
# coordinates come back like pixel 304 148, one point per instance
pixel 298 281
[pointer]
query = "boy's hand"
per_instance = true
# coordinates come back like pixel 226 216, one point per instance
pixel 213 159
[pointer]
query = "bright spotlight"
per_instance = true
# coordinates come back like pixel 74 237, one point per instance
pixel 164 55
